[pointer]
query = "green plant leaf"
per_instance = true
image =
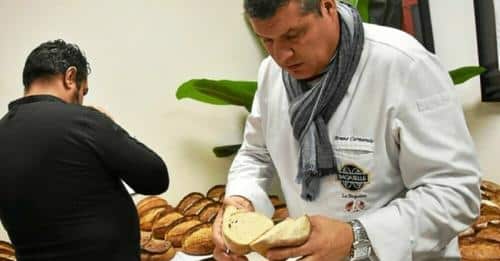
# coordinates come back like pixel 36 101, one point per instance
pixel 221 92
pixel 463 74
pixel 362 6
pixel 225 151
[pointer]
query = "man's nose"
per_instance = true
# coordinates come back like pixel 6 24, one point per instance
pixel 283 53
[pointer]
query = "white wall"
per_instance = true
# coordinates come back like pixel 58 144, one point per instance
pixel 141 51
pixel 455 42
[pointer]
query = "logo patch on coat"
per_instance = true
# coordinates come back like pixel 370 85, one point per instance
pixel 355 206
pixel 352 177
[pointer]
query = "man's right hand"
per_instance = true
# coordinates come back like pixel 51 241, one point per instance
pixel 220 252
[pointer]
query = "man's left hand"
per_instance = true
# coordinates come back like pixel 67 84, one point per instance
pixel 330 239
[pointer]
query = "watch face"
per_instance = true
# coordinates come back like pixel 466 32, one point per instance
pixel 361 253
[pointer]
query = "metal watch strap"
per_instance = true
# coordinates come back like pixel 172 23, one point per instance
pixel 361 246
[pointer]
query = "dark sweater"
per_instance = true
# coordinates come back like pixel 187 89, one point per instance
pixel 61 197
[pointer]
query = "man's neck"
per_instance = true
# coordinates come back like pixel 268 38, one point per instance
pixel 44 89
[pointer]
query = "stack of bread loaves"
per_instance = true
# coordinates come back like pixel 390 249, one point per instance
pixel 481 241
pixel 186 227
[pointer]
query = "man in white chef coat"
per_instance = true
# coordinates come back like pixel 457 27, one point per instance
pixel 363 128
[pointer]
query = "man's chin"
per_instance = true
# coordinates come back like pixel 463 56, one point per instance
pixel 300 75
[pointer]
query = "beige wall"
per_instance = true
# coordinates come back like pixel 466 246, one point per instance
pixel 140 51
pixel 455 41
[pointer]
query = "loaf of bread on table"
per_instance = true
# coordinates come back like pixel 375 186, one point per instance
pixel 151 202
pixel 188 201
pixel 198 240
pixel 177 230
pixel 209 212
pixel 163 224
pixel 157 250
pixel 216 192
pixel 151 216
pixel 196 207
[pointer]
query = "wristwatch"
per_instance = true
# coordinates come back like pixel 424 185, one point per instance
pixel 361 246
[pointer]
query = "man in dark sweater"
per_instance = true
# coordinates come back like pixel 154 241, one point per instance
pixel 62 164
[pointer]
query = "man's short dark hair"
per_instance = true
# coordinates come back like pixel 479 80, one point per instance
pixel 52 58
pixel 263 9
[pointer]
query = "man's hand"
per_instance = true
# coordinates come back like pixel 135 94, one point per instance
pixel 330 239
pixel 220 248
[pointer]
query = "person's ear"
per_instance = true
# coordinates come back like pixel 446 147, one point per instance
pixel 70 77
pixel 328 5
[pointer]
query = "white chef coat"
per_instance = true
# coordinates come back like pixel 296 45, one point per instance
pixel 409 170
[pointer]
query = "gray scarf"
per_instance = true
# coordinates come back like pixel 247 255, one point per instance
pixel 310 110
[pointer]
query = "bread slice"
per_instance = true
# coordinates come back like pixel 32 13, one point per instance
pixel 217 192
pixel 198 240
pixel 208 213
pixel 196 208
pixel 239 229
pixel 189 200
pixel 176 233
pixel 288 233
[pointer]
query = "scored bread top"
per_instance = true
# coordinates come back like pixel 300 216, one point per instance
pixel 208 213
pixel 188 200
pixel 198 240
pixel 216 192
pixel 490 186
pixel 196 207
pixel 150 217
pixel 150 202
pixel 162 225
